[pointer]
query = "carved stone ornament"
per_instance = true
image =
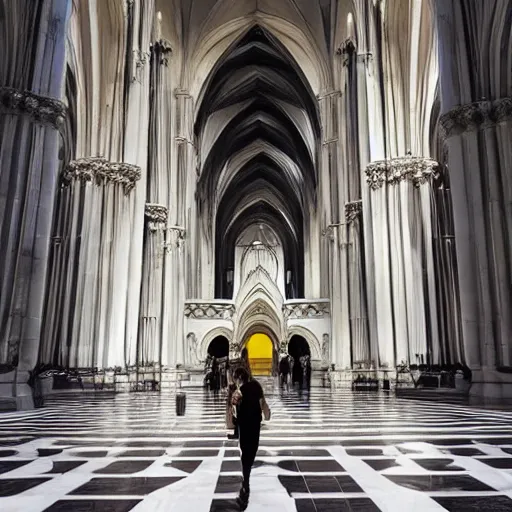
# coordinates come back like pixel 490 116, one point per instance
pixel 328 232
pixel 162 50
pixel 353 210
pixel 192 348
pixel 156 216
pixel 306 310
pixel 41 109
pixel 103 171
pixel 175 238
pixel 209 311
pixel 419 170
pixel 475 116
pixel 325 348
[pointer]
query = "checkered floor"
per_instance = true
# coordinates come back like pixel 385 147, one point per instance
pixel 323 451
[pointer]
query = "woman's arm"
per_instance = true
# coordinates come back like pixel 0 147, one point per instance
pixel 265 408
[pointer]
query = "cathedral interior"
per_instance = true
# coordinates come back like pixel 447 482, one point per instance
pixel 322 182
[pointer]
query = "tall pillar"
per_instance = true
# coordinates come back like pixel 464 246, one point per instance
pixel 159 187
pixel 335 245
pixel 181 272
pixel 97 196
pixel 149 352
pixel 476 126
pixel 31 115
pixel 361 350
pixel 400 191
pixel 135 150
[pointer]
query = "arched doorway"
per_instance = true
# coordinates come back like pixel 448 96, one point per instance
pixel 219 347
pixel 298 347
pixel 261 353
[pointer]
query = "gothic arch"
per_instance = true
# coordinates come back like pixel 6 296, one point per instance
pixel 258 123
pixel 221 39
pixel 313 342
pixel 259 328
pixel 210 336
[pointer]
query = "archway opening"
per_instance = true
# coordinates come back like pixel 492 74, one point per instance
pixel 258 134
pixel 219 347
pixel 261 352
pixel 298 347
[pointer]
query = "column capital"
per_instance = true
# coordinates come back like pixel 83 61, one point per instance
pixel 353 210
pixel 41 109
pixel 102 171
pixel 475 116
pixel 419 170
pixel 162 49
pixel 156 216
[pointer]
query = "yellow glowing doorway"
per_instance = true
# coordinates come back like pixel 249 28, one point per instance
pixel 260 351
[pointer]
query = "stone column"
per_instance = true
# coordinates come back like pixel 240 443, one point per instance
pixel 356 283
pixel 364 153
pixel 101 198
pixel 400 200
pixel 136 146
pixel 476 126
pixel 159 185
pixel 31 114
pixel 181 272
pixel 149 349
pixel 335 245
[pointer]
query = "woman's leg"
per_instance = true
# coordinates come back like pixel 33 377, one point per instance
pixel 249 442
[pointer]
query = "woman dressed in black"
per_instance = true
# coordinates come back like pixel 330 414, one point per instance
pixel 250 404
pixel 233 365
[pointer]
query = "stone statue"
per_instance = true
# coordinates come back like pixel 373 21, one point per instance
pixel 192 348
pixel 325 348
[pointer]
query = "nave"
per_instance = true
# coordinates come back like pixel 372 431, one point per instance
pixel 322 451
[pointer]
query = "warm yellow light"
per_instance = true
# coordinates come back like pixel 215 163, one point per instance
pixel 259 348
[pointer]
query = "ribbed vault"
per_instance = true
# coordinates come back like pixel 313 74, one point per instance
pixel 257 129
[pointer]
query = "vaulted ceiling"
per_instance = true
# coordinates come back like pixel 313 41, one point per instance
pixel 257 129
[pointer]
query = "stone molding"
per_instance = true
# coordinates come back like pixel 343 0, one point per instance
pixel 353 210
pixel 102 171
pixel 306 310
pixel 156 215
pixel 475 116
pixel 41 109
pixel 209 311
pixel 418 170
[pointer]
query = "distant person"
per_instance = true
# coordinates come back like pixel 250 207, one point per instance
pixel 214 380
pixel 284 371
pixel 249 400
pixel 291 361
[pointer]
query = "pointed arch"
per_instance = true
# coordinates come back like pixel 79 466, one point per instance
pixel 210 48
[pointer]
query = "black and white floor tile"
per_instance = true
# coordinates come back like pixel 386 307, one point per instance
pixel 323 451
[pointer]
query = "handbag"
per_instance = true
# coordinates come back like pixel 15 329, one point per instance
pixel 266 411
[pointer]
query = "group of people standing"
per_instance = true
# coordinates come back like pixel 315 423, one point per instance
pixel 296 373
pixel 216 370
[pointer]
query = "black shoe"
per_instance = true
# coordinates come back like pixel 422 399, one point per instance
pixel 243 498
pixel 232 436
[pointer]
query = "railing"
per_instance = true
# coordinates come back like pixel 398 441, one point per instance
pixel 261 366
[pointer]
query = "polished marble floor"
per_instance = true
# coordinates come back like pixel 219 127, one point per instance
pixel 323 451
